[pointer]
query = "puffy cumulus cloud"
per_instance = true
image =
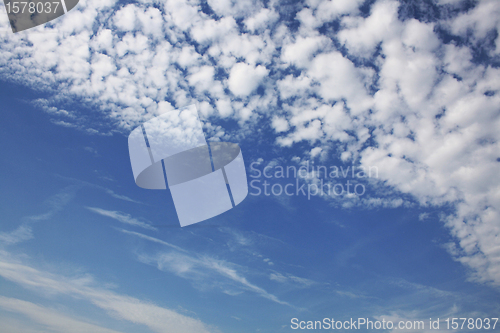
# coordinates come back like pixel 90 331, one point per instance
pixel 361 36
pixel 387 92
pixel 280 124
pixel 432 112
pixel 482 19
pixel 300 52
pixel 261 20
pixel 237 9
pixel 339 79
pixel 435 111
pixel 325 11
pixel 244 78
pixel 125 18
pixel 210 30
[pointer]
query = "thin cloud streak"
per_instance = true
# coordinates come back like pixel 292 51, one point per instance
pixel 151 239
pixel 122 217
pixel 50 318
pixel 198 268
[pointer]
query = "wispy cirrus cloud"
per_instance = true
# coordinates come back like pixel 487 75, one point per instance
pixel 291 279
pixel 56 203
pixel 52 319
pixel 151 239
pixel 21 234
pixel 156 318
pixel 123 218
pixel 206 270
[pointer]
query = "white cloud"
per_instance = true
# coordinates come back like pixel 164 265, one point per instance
pixel 261 20
pixel 301 51
pixel 21 234
pixel 152 239
pixel 328 10
pixel 124 19
pixel 202 268
pixel 241 8
pixel 482 19
pixel 156 318
pixel 50 318
pixel 288 278
pixel 122 217
pixel 339 78
pixel 244 78
pixel 211 30
pixel 362 35
pixel 55 203
pixel 280 125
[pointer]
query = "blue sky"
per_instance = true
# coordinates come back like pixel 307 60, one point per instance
pixel 409 88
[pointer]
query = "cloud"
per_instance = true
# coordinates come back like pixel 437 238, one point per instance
pixel 122 217
pixel 361 36
pixel 55 203
pixel 288 278
pixel 244 78
pixel 202 270
pixel 300 52
pixel 21 234
pixel 124 307
pixel 52 319
pixel 79 183
pixel 152 239
pixel 118 196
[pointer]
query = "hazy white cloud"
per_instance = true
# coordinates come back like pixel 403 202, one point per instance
pixel 202 270
pixel 56 203
pixel 325 11
pixel 205 270
pixel 244 78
